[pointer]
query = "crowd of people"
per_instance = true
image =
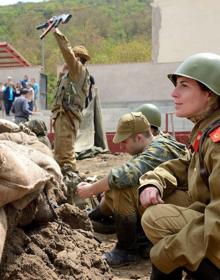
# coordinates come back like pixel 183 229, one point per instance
pixel 10 91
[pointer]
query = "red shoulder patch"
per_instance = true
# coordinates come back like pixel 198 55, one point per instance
pixel 196 142
pixel 215 135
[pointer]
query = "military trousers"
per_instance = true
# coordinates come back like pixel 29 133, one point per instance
pixel 64 140
pixel 161 224
pixel 121 201
pixel 126 201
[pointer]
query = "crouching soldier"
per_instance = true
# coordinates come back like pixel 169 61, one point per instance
pixel 149 149
pixel 188 238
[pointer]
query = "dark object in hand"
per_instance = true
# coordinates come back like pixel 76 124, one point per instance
pixel 53 22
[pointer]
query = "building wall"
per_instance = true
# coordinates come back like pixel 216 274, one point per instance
pixel 17 73
pixel 124 87
pixel 111 115
pixel 181 28
pixel 133 82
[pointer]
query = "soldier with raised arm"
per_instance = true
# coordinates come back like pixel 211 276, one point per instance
pixel 71 92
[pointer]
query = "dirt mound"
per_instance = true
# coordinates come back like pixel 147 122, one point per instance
pixel 66 250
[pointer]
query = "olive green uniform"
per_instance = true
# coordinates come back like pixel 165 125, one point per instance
pixel 71 92
pixel 124 180
pixel 182 237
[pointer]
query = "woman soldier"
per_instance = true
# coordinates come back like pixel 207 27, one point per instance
pixel 188 238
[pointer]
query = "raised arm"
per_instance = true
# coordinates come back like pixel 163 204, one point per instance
pixel 75 67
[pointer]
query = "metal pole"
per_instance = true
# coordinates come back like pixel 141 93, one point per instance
pixel 42 55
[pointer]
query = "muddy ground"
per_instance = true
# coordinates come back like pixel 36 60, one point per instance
pixel 100 166
pixel 66 248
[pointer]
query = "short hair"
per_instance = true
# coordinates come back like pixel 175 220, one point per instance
pixel 24 91
pixel 147 134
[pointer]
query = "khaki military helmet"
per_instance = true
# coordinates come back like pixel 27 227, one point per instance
pixel 152 113
pixel 202 67
pixel 81 51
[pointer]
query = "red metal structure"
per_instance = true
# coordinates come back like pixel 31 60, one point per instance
pixel 181 136
pixel 9 57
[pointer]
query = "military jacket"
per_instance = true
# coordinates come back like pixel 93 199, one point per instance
pixel 162 148
pixel 72 87
pixel 201 237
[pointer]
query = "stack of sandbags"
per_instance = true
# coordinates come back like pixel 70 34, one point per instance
pixel 22 135
pixel 19 174
pixel 28 173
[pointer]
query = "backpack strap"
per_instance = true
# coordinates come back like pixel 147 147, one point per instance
pixel 203 169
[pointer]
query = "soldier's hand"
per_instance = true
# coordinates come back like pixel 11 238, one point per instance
pixel 150 196
pixel 84 190
pixel 54 29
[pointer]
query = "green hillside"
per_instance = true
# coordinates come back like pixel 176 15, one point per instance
pixel 114 31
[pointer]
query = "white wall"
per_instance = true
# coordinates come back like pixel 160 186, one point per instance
pixel 124 87
pixel 17 73
pixel 183 27
pixel 133 82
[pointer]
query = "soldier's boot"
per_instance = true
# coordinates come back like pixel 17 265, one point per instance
pixel 206 271
pixel 156 274
pixel 143 243
pixel 101 223
pixel 125 251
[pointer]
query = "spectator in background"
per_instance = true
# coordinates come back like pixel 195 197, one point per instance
pixel 18 87
pixel 35 87
pixel 30 97
pixel 9 95
pixel 20 106
pixel 25 81
pixel 1 98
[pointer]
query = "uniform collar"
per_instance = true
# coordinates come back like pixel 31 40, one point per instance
pixel 203 124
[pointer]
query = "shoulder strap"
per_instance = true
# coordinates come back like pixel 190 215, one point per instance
pixel 203 169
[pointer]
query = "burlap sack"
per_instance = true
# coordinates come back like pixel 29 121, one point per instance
pixel 7 126
pixel 40 158
pixel 29 140
pixel 19 175
pixel 45 162
pixel 3 230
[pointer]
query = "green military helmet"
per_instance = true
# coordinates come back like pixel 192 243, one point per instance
pixel 202 67
pixel 151 112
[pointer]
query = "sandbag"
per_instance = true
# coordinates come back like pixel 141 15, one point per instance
pixel 19 175
pixel 28 140
pixel 7 126
pixel 3 230
pixel 44 161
